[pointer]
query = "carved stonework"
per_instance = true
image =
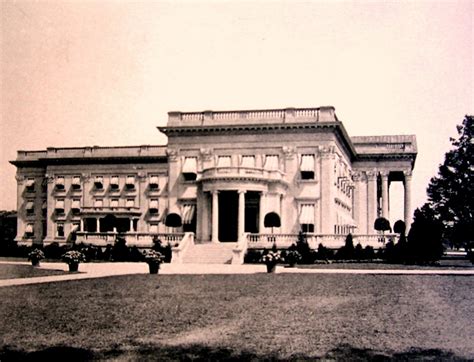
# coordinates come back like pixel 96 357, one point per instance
pixel 407 174
pixel 141 175
pixel 172 154
pixel 327 152
pixel 85 177
pixel 371 175
pixel 357 176
pixel 289 152
pixel 206 154
pixel 49 178
pixel 384 174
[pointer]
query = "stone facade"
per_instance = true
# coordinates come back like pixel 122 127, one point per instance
pixel 221 175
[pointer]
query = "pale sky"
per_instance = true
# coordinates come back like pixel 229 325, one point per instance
pixel 106 73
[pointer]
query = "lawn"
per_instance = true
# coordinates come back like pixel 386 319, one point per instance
pixel 12 271
pixel 261 316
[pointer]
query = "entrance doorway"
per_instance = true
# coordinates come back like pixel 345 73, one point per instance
pixel 252 211
pixel 228 214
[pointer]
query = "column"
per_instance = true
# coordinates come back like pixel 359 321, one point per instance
pixel 97 225
pixel 328 178
pixel 261 211
pixel 384 176
pixel 82 225
pixel 131 225
pixel 371 200
pixel 241 219
pixel 407 208
pixel 215 216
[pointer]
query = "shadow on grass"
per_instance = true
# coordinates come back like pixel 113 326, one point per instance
pixel 204 353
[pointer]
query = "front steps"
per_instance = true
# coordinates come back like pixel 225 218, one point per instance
pixel 209 253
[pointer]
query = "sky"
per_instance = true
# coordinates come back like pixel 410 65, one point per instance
pixel 106 72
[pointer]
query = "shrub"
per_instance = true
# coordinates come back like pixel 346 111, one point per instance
pixel 292 257
pixel 165 250
pixel 324 253
pixel 73 257
pixel 347 251
pixel 54 250
pixel 120 250
pixel 303 249
pixel 253 256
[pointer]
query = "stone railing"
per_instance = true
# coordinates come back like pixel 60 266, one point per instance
pixel 141 240
pixel 238 253
pixel 242 172
pixel 331 241
pixel 179 250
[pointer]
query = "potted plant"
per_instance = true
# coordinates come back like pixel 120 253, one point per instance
pixel 271 259
pixel 292 257
pixel 35 256
pixel 153 258
pixel 73 258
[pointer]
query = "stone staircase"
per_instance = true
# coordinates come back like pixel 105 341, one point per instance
pixel 209 253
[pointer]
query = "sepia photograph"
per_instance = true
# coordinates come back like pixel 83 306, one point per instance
pixel 236 180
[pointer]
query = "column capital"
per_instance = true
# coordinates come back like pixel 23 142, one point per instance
pixel 289 152
pixel 384 174
pixel 242 191
pixel 327 152
pixel 357 176
pixel 371 175
pixel 172 154
pixel 408 174
pixel 206 153
pixel 215 192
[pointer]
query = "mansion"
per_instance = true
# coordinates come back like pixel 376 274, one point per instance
pixel 230 177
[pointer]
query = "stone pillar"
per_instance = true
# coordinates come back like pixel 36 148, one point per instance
pixel 385 191
pixel 261 211
pixel 215 216
pixel 241 219
pixel 82 225
pixel 327 192
pixel 97 225
pixel 131 224
pixel 407 204
pixel 371 200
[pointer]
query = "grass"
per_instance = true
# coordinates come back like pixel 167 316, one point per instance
pixel 12 271
pixel 225 317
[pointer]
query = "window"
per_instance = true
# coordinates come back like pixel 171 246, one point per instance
pixel 224 161
pixel 114 183
pixel 30 185
pixel 154 182
pixel 30 208
pixel 306 218
pixel 190 168
pixel 248 161
pixel 130 203
pixel 60 230
pixel 154 228
pixel 59 206
pixel 60 183
pixel 153 206
pixel 271 162
pixel 76 182
pixel 29 233
pixel 114 203
pixel 76 206
pixel 130 182
pixel 98 203
pixel 99 182
pixel 307 167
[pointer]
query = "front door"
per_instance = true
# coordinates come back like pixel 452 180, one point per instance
pixel 228 214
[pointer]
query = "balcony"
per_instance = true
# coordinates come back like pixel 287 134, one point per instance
pixel 242 173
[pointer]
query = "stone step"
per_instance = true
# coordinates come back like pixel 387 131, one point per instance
pixel 209 253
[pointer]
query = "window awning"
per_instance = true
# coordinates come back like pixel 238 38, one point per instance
pixel 114 180
pixel 29 228
pixel 271 162
pixel 60 180
pixel 76 204
pixel 59 204
pixel 248 161
pixel 154 204
pixel 30 182
pixel 307 163
pixel 224 161
pixel 153 228
pixel 98 203
pixel 99 179
pixel 307 214
pixel 154 180
pixel 130 203
pixel 130 180
pixel 190 165
pixel 114 203
pixel 76 180
pixel 188 213
pixel 30 205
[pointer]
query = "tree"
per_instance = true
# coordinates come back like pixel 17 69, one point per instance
pixel 382 224
pixel 451 192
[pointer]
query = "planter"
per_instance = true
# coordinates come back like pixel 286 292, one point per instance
pixel 154 268
pixel 271 268
pixel 35 263
pixel 73 267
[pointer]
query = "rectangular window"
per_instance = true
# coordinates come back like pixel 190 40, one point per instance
pixel 30 185
pixel 130 182
pixel 306 218
pixel 154 182
pixel 153 206
pixel 99 182
pixel 114 203
pixel 60 183
pixel 248 161
pixel 30 208
pixel 59 206
pixel 153 228
pixel 307 228
pixel 307 167
pixel 190 168
pixel 98 203
pixel 76 182
pixel 60 230
pixel 224 161
pixel 272 162
pixel 76 206
pixel 130 203
pixel 29 230
pixel 114 182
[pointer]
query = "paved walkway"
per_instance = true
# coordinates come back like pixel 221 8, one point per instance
pixel 100 270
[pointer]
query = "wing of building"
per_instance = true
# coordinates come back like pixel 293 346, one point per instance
pixel 219 176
